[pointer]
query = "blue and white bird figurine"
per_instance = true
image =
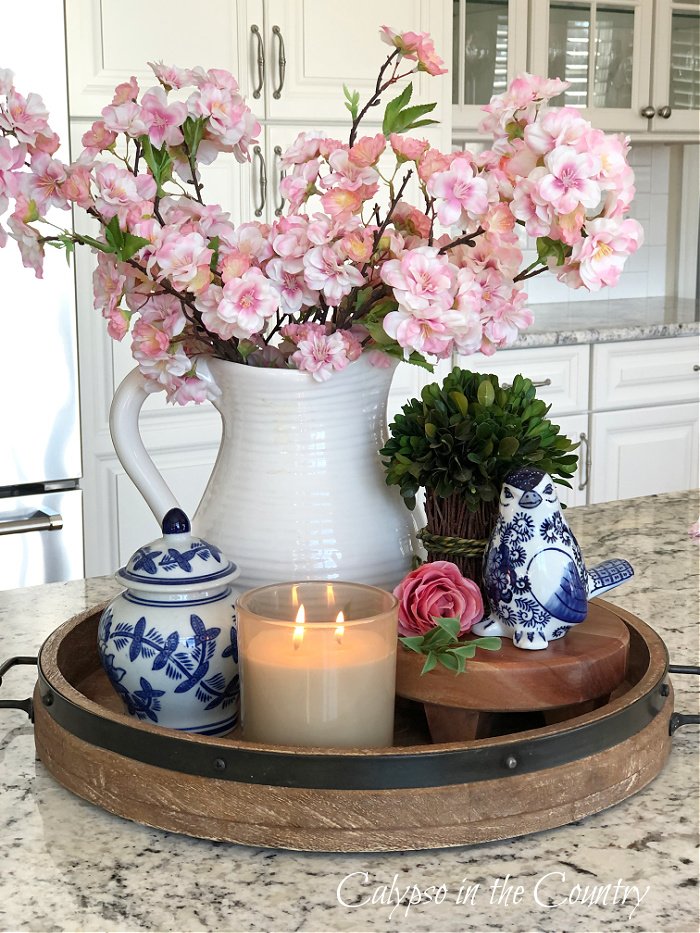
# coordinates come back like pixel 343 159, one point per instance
pixel 534 575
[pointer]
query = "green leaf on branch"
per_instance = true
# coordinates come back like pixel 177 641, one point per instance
pixel 442 645
pixel 193 131
pixel 547 247
pixel 158 161
pixel 352 101
pixel 214 244
pixel 410 118
pixel 123 245
pixel 394 107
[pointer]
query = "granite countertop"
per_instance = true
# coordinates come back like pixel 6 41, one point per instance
pixel 610 320
pixel 67 865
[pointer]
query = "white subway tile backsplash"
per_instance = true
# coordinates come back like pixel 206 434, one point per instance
pixel 640 154
pixel 656 284
pixel 642 178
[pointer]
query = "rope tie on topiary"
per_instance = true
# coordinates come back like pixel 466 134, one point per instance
pixel 451 544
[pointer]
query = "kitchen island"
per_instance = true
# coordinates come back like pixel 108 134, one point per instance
pixel 67 865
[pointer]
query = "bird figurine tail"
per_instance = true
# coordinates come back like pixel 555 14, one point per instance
pixel 607 575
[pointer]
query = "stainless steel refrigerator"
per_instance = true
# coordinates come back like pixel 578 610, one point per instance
pixel 41 523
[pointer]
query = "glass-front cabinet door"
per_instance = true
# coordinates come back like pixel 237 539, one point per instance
pixel 489 48
pixel 676 79
pixel 602 48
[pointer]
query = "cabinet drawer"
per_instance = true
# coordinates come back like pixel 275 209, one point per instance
pixel 645 372
pixel 561 371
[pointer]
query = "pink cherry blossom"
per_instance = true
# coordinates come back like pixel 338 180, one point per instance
pixel 128 91
pixel 563 126
pixel 422 280
pixel 340 202
pixel 245 306
pixel 367 150
pixel 12 159
pixel 182 258
pixel 569 180
pixel 98 138
pixel 108 286
pixel 530 206
pixel 425 333
pixel 602 253
pixel 46 182
pixel 294 293
pixel 164 119
pixel 358 245
pixel 503 321
pixel 121 194
pixel 26 117
pixel 30 246
pixel 128 118
pixel 408 149
pixel 415 46
pixel 325 271
pixel 461 195
pixel 170 76
pixel 321 354
pixel 411 221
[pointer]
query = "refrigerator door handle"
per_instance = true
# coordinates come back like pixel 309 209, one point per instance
pixel 37 521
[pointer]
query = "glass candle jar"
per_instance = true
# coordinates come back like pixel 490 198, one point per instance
pixel 318 664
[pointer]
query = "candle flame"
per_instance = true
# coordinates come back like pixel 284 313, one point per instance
pixel 340 628
pixel 298 635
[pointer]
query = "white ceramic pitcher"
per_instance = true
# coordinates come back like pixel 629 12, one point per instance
pixel 298 490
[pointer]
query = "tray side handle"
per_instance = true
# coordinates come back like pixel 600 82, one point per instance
pixel 27 704
pixel 678 720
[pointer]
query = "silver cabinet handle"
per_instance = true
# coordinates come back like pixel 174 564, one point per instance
pixel 664 112
pixel 278 161
pixel 648 112
pixel 262 180
pixel 585 443
pixel 37 521
pixel 281 62
pixel 536 385
pixel 261 62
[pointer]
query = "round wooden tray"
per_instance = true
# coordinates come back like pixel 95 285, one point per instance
pixel 413 795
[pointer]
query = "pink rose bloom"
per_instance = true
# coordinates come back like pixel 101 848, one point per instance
pixel 407 148
pixel 437 591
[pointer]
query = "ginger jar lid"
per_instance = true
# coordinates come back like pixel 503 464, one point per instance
pixel 178 561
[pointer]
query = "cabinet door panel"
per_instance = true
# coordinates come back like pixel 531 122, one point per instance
pixel 561 373
pixel 677 66
pixel 602 50
pixel 108 42
pixel 643 452
pixel 313 47
pixel 645 372
pixel 489 48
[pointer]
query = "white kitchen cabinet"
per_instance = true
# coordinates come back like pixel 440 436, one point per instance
pixel 313 47
pixel 489 47
pixel 108 42
pixel 633 65
pixel 643 451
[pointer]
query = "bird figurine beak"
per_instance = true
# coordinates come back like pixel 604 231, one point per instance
pixel 530 499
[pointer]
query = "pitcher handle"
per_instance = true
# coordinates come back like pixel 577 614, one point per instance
pixel 124 428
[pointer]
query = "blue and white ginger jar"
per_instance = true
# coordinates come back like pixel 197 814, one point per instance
pixel 168 642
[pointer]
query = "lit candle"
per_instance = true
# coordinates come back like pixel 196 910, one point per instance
pixel 327 678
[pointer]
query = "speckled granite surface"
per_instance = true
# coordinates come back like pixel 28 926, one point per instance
pixel 66 865
pixel 609 321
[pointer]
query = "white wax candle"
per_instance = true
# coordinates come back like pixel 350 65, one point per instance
pixel 326 690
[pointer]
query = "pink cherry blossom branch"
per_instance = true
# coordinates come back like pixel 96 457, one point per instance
pixel 466 240
pixel 378 91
